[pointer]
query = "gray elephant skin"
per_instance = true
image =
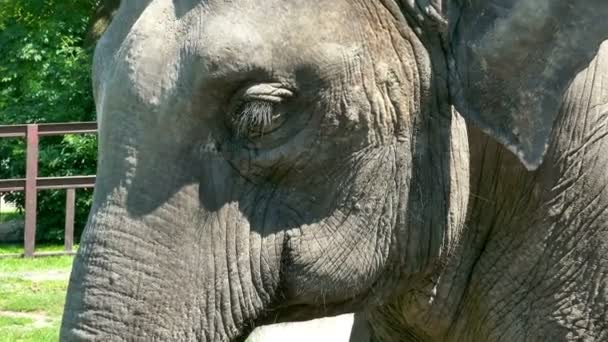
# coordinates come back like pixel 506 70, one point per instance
pixel 436 167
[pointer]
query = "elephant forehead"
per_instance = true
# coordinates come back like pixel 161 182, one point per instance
pixel 240 31
pixel 176 45
pixel 270 33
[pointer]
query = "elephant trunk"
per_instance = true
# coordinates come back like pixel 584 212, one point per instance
pixel 179 269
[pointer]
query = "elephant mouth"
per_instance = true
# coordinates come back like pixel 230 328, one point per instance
pixel 294 314
pixel 301 312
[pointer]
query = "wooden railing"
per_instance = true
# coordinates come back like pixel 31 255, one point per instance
pixel 32 183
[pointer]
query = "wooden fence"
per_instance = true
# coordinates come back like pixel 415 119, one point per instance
pixel 31 184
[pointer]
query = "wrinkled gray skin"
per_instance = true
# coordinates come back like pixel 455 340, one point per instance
pixel 282 160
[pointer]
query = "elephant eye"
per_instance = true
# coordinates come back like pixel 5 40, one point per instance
pixel 254 119
pixel 256 111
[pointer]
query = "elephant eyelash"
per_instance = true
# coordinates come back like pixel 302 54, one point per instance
pixel 253 119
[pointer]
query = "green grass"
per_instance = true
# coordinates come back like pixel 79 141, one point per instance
pixel 19 334
pixel 13 248
pixel 15 321
pixel 20 295
pixel 19 329
pixel 16 265
pixel 32 294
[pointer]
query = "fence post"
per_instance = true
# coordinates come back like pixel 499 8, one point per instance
pixel 31 176
pixel 70 202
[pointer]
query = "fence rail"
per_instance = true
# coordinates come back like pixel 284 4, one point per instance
pixel 49 183
pixel 15 131
pixel 31 184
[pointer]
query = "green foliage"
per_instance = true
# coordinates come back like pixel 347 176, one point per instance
pixel 45 77
pixel 10 216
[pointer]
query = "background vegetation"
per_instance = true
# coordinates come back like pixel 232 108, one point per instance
pixel 45 77
pixel 32 295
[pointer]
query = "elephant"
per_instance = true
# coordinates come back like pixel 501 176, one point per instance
pixel 437 167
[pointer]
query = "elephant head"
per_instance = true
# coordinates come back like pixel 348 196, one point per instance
pixel 265 161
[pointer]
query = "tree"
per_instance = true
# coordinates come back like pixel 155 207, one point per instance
pixel 104 12
pixel 45 68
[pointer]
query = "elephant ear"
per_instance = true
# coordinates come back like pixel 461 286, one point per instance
pixel 512 61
